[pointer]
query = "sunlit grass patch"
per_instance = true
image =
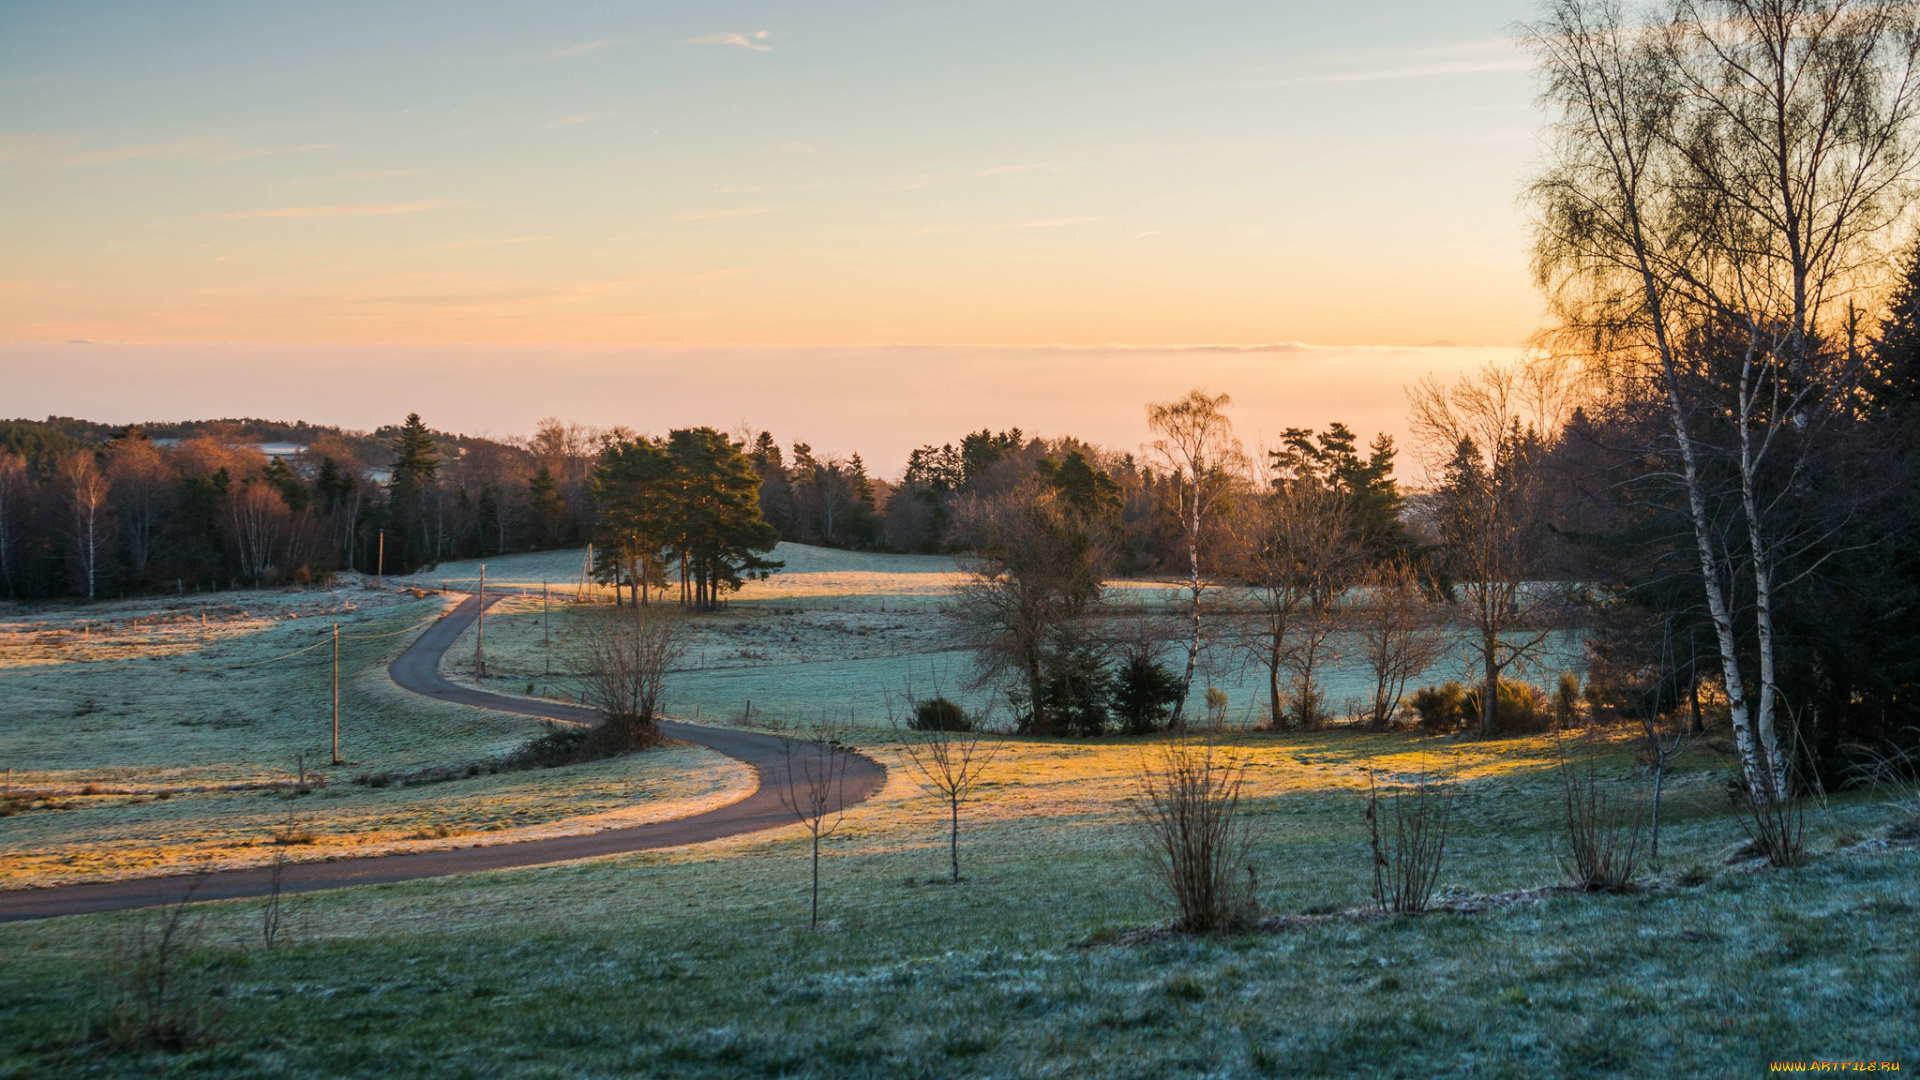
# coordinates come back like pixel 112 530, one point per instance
pixel 127 768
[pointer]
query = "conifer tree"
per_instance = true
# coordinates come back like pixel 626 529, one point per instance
pixel 416 465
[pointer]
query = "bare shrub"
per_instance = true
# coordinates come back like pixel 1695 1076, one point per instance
pixel 165 993
pixel 814 792
pixel 624 659
pixel 1603 830
pixel 1407 860
pixel 1195 838
pixel 1216 709
pixel 1776 828
pixel 1775 816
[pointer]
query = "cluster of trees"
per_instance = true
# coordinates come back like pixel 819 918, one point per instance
pixel 87 510
pixel 1711 468
pixel 818 500
pixel 1729 185
pixel 688 503
pixel 1296 534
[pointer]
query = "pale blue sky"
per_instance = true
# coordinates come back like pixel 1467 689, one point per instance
pixel 824 173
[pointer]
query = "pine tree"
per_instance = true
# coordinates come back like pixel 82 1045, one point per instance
pixel 721 532
pixel 549 509
pixel 416 464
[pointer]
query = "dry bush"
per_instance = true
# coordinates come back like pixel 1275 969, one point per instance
pixel 1406 862
pixel 1775 818
pixel 1776 828
pixel 1195 838
pixel 1603 830
pixel 1519 708
pixel 623 662
pixel 166 993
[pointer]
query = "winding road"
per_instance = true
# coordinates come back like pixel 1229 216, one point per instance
pixel 418 670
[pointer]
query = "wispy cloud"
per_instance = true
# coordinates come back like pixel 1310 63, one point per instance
pixel 1053 223
pixel 1458 58
pixel 745 41
pixel 698 216
pixel 581 49
pixel 1149 232
pixel 358 210
pixel 1417 71
pixel 243 155
pixel 68 150
pixel 798 148
pixel 575 121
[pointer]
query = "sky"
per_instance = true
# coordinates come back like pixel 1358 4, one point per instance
pixel 400 179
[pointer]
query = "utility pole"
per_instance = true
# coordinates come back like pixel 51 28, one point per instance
pixel 480 633
pixel 546 627
pixel 380 568
pixel 336 693
pixel 586 569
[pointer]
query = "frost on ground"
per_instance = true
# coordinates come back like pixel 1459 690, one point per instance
pixel 169 732
pixel 842 636
pixel 1043 960
pixel 143 741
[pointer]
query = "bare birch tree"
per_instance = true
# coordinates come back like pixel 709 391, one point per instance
pixel 1197 449
pixel 85 487
pixel 1725 179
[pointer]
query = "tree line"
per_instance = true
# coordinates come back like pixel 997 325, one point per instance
pixel 88 510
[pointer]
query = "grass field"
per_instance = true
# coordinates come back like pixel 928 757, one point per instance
pixel 1043 961
pixel 840 635
pixel 151 743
